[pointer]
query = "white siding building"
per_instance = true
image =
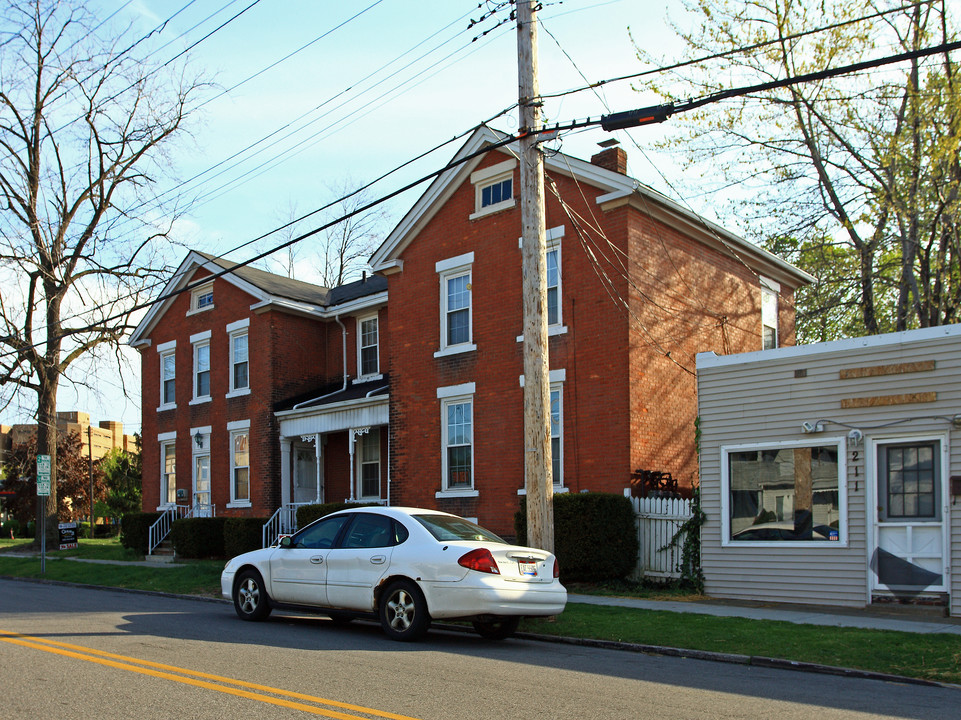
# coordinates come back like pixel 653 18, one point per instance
pixel 830 473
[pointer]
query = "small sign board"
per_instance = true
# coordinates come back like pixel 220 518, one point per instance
pixel 68 535
pixel 43 475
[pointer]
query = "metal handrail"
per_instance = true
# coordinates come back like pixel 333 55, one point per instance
pixel 161 528
pixel 283 521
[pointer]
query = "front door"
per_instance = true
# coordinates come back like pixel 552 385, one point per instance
pixel 202 486
pixel 307 473
pixel 909 557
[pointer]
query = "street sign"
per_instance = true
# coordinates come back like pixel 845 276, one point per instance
pixel 43 475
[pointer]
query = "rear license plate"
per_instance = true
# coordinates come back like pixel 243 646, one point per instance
pixel 528 569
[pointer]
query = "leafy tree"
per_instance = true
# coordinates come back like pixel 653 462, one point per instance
pixel 86 117
pixel 853 178
pixel 73 470
pixel 123 475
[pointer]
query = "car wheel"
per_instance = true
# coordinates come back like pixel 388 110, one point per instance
pixel 403 611
pixel 250 596
pixel 498 629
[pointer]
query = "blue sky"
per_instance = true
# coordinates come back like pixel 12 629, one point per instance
pixel 378 83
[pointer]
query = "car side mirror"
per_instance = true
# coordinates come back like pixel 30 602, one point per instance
pixel 285 541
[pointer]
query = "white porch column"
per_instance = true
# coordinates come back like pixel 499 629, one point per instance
pixel 319 458
pixel 285 482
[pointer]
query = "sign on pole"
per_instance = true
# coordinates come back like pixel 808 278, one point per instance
pixel 43 475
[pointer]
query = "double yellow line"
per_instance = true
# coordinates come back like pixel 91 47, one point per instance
pixel 228 686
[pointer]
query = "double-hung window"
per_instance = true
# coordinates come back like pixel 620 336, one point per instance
pixel 168 468
pixel 369 466
pixel 456 304
pixel 554 284
pixel 237 332
pixel 457 439
pixel 557 435
pixel 784 493
pixel 239 462
pixel 168 375
pixel 368 357
pixel 769 312
pixel 201 368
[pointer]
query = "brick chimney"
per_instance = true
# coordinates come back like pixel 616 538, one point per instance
pixel 613 159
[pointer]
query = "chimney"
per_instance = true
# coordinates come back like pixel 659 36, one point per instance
pixel 613 159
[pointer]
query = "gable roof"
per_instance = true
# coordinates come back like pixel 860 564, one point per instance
pixel 615 187
pixel 270 291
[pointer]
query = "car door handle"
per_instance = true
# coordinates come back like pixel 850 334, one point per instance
pixel 378 559
pixel 317 559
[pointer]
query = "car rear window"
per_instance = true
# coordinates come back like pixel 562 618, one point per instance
pixel 445 527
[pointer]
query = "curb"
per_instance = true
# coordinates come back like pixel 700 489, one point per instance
pixel 661 650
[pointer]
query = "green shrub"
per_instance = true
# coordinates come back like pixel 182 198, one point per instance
pixel 595 538
pixel 243 534
pixel 306 514
pixel 135 530
pixel 11 528
pixel 201 537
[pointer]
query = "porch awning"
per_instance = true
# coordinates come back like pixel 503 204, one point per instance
pixel 359 405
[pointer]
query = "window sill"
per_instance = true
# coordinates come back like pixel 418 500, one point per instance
pixel 239 504
pixel 367 378
pixel 238 393
pixel 163 408
pixel 552 330
pixel 200 400
pixel 457 494
pixel 455 350
pixel 558 490
pixel 197 311
pixel 491 209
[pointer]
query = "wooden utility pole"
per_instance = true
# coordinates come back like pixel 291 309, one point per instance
pixel 538 480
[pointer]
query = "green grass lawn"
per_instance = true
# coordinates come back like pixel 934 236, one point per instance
pixel 932 657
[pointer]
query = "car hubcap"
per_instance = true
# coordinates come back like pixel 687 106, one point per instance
pixel 249 596
pixel 401 608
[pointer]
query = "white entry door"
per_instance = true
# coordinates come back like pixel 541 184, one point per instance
pixel 202 506
pixel 909 557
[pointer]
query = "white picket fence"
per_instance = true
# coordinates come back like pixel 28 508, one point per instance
pixel 657 519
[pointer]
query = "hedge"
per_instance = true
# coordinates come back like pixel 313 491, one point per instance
pixel 199 537
pixel 135 530
pixel 243 534
pixel 595 538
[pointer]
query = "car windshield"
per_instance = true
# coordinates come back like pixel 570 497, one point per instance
pixel 448 527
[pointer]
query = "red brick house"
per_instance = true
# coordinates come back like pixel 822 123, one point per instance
pixel 637 287
pixel 219 354
pixel 428 409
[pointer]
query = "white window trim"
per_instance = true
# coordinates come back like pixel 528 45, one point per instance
pixel 164 440
pixel 198 341
pixel 553 237
pixel 359 469
pixel 491 176
pixel 236 427
pixel 804 545
pixel 374 375
pixel 448 269
pixel 453 395
pixel 235 329
pixel 556 378
pixel 165 350
pixel 771 288
pixel 195 294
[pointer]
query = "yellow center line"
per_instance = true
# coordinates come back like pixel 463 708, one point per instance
pixel 190 677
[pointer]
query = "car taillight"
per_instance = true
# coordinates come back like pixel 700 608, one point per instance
pixel 480 560
pixel 557 569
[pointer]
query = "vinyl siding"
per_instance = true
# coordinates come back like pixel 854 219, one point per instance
pixel 757 398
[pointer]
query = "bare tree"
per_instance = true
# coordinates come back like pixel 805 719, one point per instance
pixel 854 178
pixel 346 247
pixel 84 126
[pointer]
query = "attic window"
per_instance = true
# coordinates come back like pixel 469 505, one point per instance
pixel 202 298
pixel 493 188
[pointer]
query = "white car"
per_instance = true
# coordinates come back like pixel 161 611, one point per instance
pixel 406 566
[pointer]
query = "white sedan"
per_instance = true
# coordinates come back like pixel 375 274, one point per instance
pixel 406 566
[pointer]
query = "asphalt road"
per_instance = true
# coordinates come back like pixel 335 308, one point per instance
pixel 81 652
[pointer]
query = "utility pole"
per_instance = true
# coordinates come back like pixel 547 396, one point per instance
pixel 538 480
pixel 90 458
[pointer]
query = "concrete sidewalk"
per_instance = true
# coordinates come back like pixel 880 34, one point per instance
pixel 920 621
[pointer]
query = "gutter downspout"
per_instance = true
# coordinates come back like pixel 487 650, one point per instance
pixel 343 387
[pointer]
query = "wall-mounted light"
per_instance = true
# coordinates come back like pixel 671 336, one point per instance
pixel 199 439
pixel 855 436
pixel 809 427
